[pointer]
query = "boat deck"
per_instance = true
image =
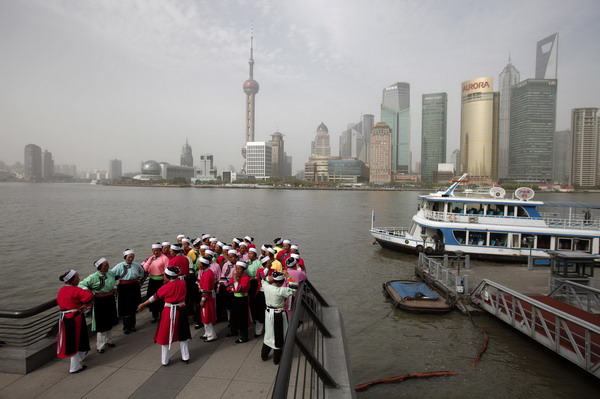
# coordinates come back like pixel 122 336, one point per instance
pixel 219 369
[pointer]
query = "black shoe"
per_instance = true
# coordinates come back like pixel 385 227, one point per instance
pixel 165 365
pixel 230 335
pixel 197 326
pixel 111 345
pixel 186 361
pixel 209 340
pixel 133 329
pixel 126 332
pixel 80 370
pixel 101 350
pixel 241 341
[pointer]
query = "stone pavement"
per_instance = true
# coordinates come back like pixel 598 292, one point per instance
pixel 219 369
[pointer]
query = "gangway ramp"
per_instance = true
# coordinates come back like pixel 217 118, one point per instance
pixel 571 332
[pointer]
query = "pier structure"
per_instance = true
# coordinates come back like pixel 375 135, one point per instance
pixel 314 362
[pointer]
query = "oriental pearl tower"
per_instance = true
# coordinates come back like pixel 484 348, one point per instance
pixel 250 88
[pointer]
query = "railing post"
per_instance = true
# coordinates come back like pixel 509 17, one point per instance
pixel 467 261
pixel 445 260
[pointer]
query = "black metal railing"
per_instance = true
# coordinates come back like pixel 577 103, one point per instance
pixel 20 328
pixel 302 370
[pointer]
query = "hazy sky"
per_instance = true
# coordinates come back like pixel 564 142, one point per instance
pixel 95 80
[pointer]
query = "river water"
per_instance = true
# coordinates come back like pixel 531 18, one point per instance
pixel 46 229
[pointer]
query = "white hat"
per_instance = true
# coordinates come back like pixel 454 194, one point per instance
pixel 205 236
pixel 295 256
pixel 166 243
pixel 219 243
pixel 205 261
pixel 175 247
pixel 248 238
pixel 99 262
pixel 186 239
pixel 232 251
pixel 253 250
pixel 294 247
pixel 128 252
pixel 213 239
pixel 69 275
pixel 197 241
pixel 287 242
pixel 226 247
pixel 291 262
pixel 236 240
pixel 203 246
pixel 172 271
pixel 243 243
pixel 209 252
pixel 242 264
pixel 272 250
pixel 156 246
pixel 180 236
pixel 264 259
pixel 280 277
pixel 263 248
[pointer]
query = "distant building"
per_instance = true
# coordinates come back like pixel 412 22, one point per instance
pixel 479 130
pixel 395 112
pixel 251 88
pixel 546 60
pixel 444 173
pixel 433 133
pixel 259 159
pixel 187 159
pixel 206 169
pixel 508 77
pixel 562 157
pixel 66 170
pixel 115 169
pixel 171 172
pixel 96 174
pixel 32 163
pixel 368 121
pixel 288 166
pixel 347 171
pixel 532 129
pixel 585 125
pixel 455 159
pixel 380 154
pixel 320 146
pixel 47 165
pixel 277 155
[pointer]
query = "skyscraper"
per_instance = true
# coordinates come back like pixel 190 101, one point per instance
pixel 258 159
pixel 479 130
pixel 532 129
pixel 562 157
pixel 115 169
pixel 380 154
pixel 368 121
pixel 585 125
pixel 250 88
pixel 455 159
pixel 508 78
pixel 277 155
pixel 546 60
pixel 433 133
pixel 206 168
pixel 47 165
pixel 32 164
pixel 395 111
pixel 320 146
pixel 187 159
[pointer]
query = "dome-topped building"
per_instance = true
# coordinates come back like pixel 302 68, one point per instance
pixel 321 146
pixel 322 129
pixel 151 168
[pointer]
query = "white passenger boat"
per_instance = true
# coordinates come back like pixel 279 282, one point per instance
pixel 494 227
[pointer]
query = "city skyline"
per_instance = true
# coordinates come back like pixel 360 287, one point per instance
pixel 124 77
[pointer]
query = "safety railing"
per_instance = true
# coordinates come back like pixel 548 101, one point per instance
pixel 21 328
pixel 571 337
pixel 303 371
pixel 445 274
pixel 394 231
pixel 575 294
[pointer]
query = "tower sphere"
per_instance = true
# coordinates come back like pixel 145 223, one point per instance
pixel 251 86
pixel 151 168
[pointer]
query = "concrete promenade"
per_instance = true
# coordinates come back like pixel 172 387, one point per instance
pixel 219 369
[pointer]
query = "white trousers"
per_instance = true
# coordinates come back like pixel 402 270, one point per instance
pixel 209 332
pixel 183 346
pixel 102 338
pixel 258 328
pixel 76 360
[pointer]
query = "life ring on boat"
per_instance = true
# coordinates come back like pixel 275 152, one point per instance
pixel 452 217
pixel 428 250
pixel 419 248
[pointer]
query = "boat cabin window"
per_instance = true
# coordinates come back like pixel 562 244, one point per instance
pixel 576 244
pixel 583 245
pixel 475 209
pixel 495 210
pixel 525 241
pixel 565 243
pixel 413 227
pixel 460 236
pixel 498 239
pixel 436 206
pixel 521 212
pixel 477 238
pixel 543 242
pixel 516 240
pixel 456 207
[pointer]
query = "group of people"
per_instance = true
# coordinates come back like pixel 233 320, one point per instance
pixel 203 279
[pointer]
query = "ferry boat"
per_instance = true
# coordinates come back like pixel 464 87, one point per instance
pixel 491 226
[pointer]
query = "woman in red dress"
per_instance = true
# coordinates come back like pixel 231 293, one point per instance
pixel 173 325
pixel 72 338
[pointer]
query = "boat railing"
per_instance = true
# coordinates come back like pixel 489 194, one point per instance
pixel 446 275
pixel 314 359
pixel 575 294
pixel 395 231
pixel 571 337
pixel 24 327
pixel 577 222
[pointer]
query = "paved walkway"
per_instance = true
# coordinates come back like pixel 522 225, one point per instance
pixel 219 369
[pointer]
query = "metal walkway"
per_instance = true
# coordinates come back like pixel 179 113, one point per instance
pixel 569 331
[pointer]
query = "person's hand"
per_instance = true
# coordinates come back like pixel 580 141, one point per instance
pixel 141 306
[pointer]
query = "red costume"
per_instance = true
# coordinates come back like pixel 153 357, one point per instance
pixel 183 263
pixel 173 325
pixel 208 312
pixel 72 331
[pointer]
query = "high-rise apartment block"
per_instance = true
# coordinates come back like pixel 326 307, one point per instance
pixel 115 169
pixel 186 159
pixel 32 165
pixel 277 155
pixel 508 77
pixel 380 154
pixel 585 125
pixel 433 133
pixel 532 130
pixel 258 159
pixel 395 112
pixel 562 157
pixel 479 130
pixel 321 146
pixel 546 60
pixel 47 165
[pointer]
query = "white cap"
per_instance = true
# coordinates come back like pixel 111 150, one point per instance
pixel 232 251
pixel 263 248
pixel 226 247
pixel 209 252
pixel 203 246
pixel 128 252
pixel 175 247
pixel 99 262
pixel 248 238
pixel 213 239
pixel 272 250
pixel 281 277
pixel 205 236
pixel 69 275
pixel 156 246
pixel 264 259
pixel 287 242
pixel 295 256
pixel 253 250
pixel 242 264
pixel 170 271
pixel 180 236
pixel 205 261
pixel 197 241
pixel 236 240
pixel 294 247
pixel 219 243
pixel 166 243
pixel 243 243
pixel 186 240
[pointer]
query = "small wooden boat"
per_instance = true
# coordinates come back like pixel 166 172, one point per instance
pixel 415 296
